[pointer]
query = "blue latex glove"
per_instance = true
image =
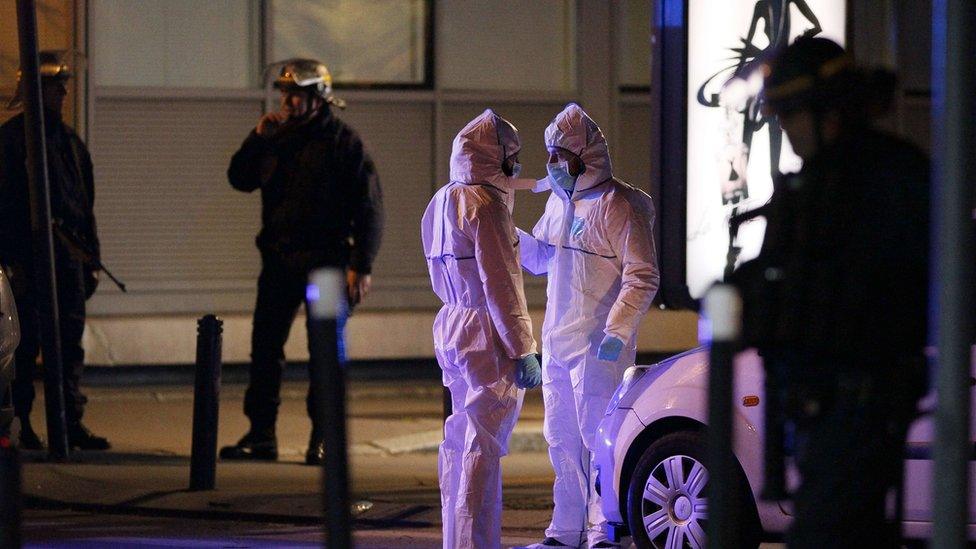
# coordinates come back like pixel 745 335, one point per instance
pixel 528 372
pixel 610 348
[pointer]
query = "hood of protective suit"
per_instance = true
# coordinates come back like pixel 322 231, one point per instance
pixel 574 130
pixel 481 147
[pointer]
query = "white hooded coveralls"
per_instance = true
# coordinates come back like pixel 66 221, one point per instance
pixel 482 329
pixel 597 248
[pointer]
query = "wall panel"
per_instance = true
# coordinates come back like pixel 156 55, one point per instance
pixel 183 239
pixel 175 43
pixel 632 158
pixel 170 224
pixel 400 138
pixel 514 45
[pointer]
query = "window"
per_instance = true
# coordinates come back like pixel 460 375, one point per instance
pixel 513 45
pixel 56 31
pixel 361 41
pixel 176 43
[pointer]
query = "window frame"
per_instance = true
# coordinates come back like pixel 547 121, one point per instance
pixel 428 51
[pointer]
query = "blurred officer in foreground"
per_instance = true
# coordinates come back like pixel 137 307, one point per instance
pixel 76 254
pixel 321 207
pixel 836 300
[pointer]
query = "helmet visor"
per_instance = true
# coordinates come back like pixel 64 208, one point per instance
pixel 300 73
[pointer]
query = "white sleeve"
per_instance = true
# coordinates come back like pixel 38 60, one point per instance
pixel 501 278
pixel 533 254
pixel 632 236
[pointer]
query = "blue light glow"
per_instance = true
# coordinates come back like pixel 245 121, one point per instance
pixel 312 293
pixel 674 13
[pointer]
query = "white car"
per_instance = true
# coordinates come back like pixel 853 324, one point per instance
pixel 651 472
pixel 9 339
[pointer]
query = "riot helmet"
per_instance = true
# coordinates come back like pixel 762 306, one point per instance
pixel 305 74
pixel 816 74
pixel 810 73
pixel 53 65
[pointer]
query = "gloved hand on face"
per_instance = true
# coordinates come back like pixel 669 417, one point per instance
pixel 610 349
pixel 528 372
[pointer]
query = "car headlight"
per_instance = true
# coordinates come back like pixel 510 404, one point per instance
pixel 631 375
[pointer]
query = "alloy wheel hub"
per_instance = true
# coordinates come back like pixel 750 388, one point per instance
pixel 681 508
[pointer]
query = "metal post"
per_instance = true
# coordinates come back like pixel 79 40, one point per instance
pixel 329 386
pixel 953 109
pixel 9 495
pixel 206 403
pixel 447 404
pixel 723 307
pixel 45 283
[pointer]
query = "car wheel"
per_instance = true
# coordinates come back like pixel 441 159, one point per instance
pixel 666 503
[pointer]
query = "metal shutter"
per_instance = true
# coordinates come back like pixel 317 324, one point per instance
pixel 170 224
pixel 398 135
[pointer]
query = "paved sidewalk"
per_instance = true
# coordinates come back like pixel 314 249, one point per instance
pixel 394 430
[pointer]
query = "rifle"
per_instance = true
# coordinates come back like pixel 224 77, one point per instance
pixel 736 219
pixel 81 250
pixel 759 290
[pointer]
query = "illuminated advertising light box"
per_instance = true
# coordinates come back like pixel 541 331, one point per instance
pixel 727 150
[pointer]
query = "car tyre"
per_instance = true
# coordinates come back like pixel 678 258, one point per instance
pixel 666 504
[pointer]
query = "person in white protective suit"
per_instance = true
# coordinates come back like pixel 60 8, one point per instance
pixel 482 335
pixel 595 243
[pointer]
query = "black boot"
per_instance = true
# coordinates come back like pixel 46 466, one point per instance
pixel 28 438
pixel 81 438
pixel 316 452
pixel 252 446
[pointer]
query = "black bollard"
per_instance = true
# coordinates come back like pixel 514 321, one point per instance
pixel 45 284
pixel 325 292
pixel 723 307
pixel 206 404
pixel 951 306
pixel 448 404
pixel 9 495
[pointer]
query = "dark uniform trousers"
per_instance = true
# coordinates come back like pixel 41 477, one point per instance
pixel 850 442
pixel 281 291
pixel 71 309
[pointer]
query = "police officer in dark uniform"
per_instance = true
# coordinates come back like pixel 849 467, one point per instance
pixel 72 202
pixel 321 207
pixel 837 299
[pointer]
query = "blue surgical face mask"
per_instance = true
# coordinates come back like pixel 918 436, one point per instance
pixel 559 174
